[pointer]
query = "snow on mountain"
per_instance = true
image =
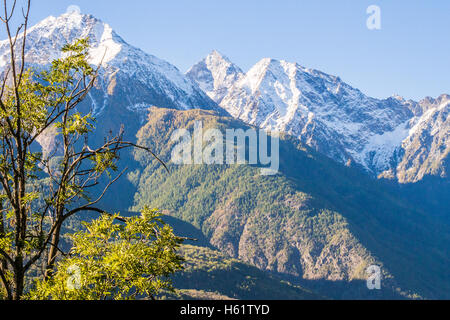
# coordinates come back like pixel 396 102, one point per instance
pixel 321 110
pixel 157 81
pixel 426 149
pixel 390 137
pixel 215 75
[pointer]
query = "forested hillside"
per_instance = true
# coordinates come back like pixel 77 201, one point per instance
pixel 317 221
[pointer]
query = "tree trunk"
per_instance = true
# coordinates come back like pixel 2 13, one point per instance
pixel 53 252
pixel 19 279
pixel 3 263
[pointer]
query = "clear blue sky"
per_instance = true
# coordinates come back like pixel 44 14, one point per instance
pixel 409 56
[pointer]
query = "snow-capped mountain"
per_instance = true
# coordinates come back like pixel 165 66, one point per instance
pixel 130 80
pixel 215 75
pixel 328 114
pixel 390 137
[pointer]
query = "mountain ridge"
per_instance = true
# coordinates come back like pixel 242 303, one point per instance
pixel 331 116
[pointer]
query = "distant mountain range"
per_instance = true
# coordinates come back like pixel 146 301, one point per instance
pixel 392 138
pixel 325 217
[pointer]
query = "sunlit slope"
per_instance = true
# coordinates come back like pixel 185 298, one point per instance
pixel 317 222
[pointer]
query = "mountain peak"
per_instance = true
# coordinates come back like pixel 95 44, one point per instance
pixel 218 55
pixel 266 62
pixel 216 58
pixel 46 38
pixel 68 20
pixel 215 74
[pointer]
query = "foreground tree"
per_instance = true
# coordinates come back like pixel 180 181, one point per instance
pixel 115 260
pixel 40 191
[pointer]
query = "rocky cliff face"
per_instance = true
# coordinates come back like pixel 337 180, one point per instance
pixel 334 118
pixel 425 151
